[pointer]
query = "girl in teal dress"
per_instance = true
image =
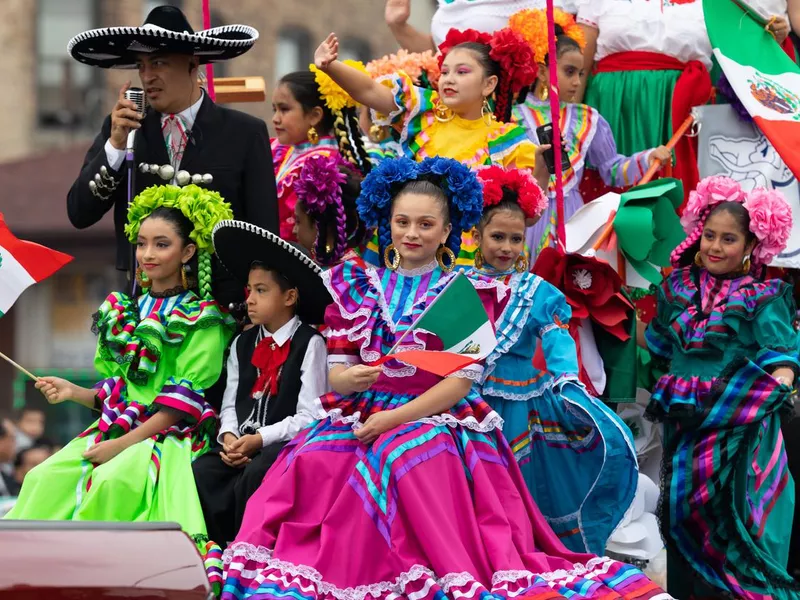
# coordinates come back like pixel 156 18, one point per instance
pixel 727 494
pixel 576 455
pixel 157 354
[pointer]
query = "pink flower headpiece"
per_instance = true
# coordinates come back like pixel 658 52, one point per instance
pixel 770 216
pixel 319 190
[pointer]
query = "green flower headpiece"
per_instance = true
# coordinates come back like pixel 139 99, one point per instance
pixel 204 208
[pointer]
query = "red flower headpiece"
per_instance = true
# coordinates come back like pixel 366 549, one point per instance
pixel 530 197
pixel 508 48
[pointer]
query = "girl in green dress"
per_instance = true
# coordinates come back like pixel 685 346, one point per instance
pixel 157 355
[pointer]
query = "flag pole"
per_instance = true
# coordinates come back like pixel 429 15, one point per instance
pixel 22 369
pixel 555 119
pixel 210 66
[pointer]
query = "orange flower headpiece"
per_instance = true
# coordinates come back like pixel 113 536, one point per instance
pixel 532 26
pixel 420 66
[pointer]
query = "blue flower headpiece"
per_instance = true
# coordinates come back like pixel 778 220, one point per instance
pixel 460 185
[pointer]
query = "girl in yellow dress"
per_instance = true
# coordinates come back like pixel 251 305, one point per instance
pixel 466 118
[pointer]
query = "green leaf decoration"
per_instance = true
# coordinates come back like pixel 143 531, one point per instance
pixel 648 227
pixel 204 208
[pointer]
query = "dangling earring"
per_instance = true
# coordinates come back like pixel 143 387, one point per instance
pixel 440 254
pixel 478 259
pixel 746 265
pixel 442 112
pixel 521 264
pixel 543 93
pixel 697 260
pixel 486 113
pixel 142 279
pixel 184 280
pixel 313 136
pixel 377 134
pixel 394 263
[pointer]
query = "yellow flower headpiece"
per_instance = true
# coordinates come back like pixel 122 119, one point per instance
pixel 414 64
pixel 532 26
pixel 335 97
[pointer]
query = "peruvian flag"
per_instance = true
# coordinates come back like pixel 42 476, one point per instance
pixel 458 318
pixel 764 78
pixel 22 264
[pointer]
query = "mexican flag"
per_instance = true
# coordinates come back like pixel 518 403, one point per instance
pixel 22 264
pixel 764 78
pixel 457 317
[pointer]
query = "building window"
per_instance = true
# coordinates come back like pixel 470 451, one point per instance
pixel 65 87
pixel 293 52
pixel 355 49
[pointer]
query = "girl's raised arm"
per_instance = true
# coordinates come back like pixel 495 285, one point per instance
pixel 359 85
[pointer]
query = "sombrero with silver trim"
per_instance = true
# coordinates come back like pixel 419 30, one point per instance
pixel 238 245
pixel 165 30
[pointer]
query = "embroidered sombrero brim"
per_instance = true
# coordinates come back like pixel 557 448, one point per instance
pixel 119 47
pixel 238 245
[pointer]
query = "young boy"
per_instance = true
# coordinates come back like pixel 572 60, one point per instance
pixel 276 370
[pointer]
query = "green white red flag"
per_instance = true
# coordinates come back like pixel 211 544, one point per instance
pixel 763 76
pixel 458 318
pixel 22 264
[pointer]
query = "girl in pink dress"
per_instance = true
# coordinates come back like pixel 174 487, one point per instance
pixel 406 487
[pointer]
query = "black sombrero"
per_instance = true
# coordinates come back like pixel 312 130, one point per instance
pixel 238 245
pixel 165 29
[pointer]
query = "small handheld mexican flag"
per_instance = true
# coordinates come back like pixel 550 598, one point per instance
pixel 763 76
pixel 22 264
pixel 457 317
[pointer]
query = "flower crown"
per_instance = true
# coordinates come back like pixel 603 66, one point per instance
pixel 531 25
pixel 204 208
pixel 318 188
pixel 422 67
pixel 335 97
pixel 459 183
pixel 530 197
pixel 770 215
pixel 506 47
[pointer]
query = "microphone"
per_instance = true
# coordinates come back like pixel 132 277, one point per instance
pixel 135 95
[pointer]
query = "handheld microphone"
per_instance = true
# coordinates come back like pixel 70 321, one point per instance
pixel 135 95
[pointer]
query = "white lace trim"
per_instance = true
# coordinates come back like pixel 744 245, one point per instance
pixel 423 270
pixel 471 372
pixel 394 116
pixel 239 550
pixel 548 328
pixel 491 422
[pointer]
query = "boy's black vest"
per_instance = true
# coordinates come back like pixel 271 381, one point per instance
pixel 284 404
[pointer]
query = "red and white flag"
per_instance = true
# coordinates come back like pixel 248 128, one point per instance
pixel 22 264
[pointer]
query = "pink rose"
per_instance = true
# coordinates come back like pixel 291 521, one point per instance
pixel 770 222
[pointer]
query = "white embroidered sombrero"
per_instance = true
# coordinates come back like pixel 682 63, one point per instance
pixel 166 30
pixel 239 244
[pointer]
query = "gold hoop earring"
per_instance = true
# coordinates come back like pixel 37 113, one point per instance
pixel 746 265
pixel 521 264
pixel 377 134
pixel 313 136
pixel 184 280
pixel 697 260
pixel 142 279
pixel 486 113
pixel 394 263
pixel 543 93
pixel 478 259
pixel 440 254
pixel 442 112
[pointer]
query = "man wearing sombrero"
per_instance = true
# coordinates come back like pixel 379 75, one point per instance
pixel 184 136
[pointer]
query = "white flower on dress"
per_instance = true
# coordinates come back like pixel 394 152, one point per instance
pixel 582 278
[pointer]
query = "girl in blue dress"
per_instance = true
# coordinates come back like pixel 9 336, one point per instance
pixel 577 456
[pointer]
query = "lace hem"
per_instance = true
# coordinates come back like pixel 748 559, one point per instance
pixel 423 270
pixel 491 422
pixel 242 551
pixel 472 373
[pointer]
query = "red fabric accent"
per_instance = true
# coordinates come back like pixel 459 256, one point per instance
pixel 693 88
pixel 268 358
pixel 789 48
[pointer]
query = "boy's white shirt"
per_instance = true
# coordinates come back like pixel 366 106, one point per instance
pixel 313 384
